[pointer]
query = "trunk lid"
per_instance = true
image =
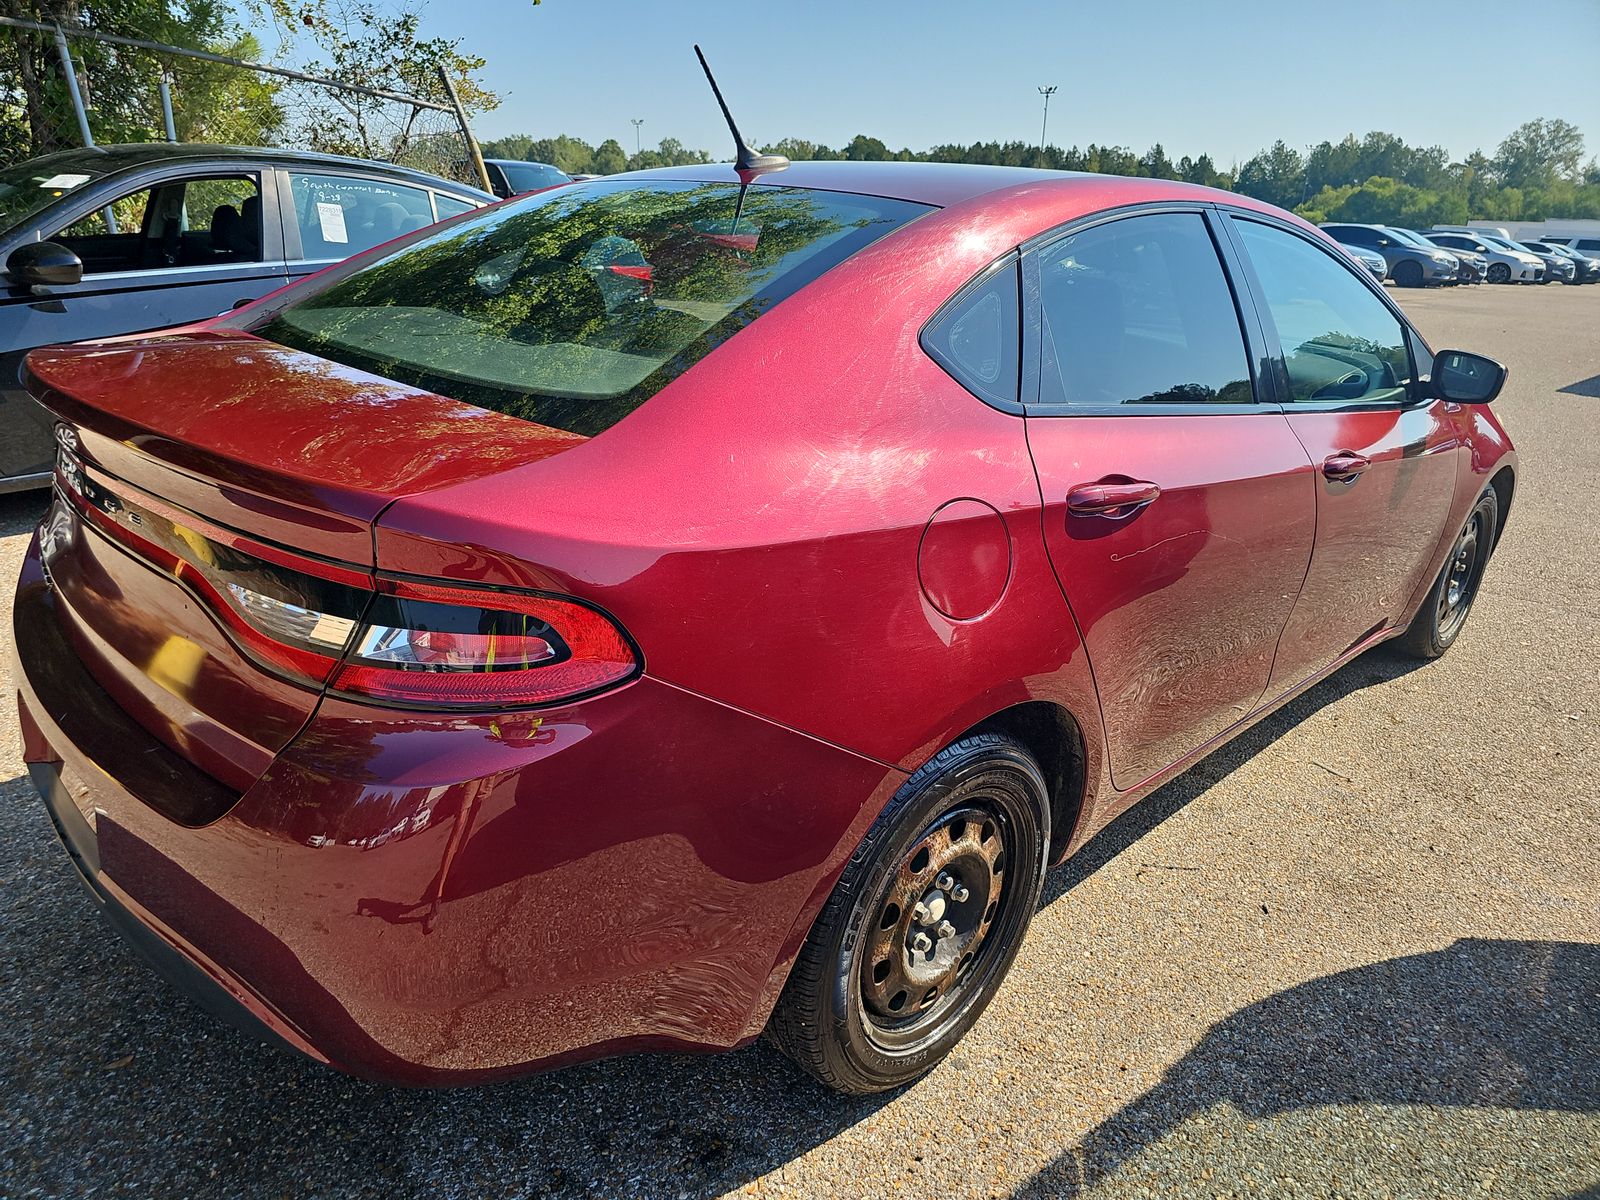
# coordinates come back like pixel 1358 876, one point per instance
pixel 193 459
pixel 271 441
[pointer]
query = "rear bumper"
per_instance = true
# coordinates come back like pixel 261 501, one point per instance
pixel 429 900
pixel 204 983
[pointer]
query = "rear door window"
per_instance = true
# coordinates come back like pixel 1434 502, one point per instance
pixel 341 215
pixel 1137 312
pixel 573 306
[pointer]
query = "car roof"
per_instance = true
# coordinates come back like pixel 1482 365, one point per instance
pixel 939 184
pixel 137 154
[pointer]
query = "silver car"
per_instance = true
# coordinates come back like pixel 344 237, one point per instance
pixel 1505 264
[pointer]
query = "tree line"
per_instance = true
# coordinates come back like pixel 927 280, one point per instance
pixel 1536 172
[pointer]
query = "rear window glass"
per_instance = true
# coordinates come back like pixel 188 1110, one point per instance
pixel 572 307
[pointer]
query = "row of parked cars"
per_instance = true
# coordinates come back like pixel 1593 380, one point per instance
pixel 1451 254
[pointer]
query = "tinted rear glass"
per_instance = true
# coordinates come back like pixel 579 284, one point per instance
pixel 530 177
pixel 572 307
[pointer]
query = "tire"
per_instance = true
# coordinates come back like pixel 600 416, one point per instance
pixel 1499 273
pixel 1449 601
pixel 839 1022
pixel 1408 274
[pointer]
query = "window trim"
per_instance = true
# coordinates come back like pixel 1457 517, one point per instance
pixel 1007 261
pixel 1251 333
pixel 1417 393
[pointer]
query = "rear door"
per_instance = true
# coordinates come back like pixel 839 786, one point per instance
pixel 1386 463
pixel 1179 507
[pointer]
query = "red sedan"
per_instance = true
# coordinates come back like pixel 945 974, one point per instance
pixel 681 605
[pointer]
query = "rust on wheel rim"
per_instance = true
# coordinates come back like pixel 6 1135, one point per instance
pixel 933 920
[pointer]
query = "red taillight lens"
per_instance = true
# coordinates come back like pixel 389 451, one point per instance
pixel 409 644
pixel 435 645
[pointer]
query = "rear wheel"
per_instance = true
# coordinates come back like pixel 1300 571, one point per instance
pixel 1443 614
pixel 1408 274
pixel 1499 273
pixel 924 923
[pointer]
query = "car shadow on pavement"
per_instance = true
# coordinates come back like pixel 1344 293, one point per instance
pixel 1479 1024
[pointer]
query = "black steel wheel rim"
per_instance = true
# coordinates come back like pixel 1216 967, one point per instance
pixel 1461 578
pixel 938 929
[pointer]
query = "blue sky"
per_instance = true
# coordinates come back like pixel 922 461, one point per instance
pixel 1225 77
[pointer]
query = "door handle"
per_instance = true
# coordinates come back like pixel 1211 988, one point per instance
pixel 1111 499
pixel 1345 466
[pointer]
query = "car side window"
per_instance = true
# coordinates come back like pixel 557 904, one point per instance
pixel 1341 343
pixel 342 215
pixel 1138 311
pixel 976 339
pixel 180 223
pixel 449 206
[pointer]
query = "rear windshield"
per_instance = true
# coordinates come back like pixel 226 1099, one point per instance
pixel 531 176
pixel 572 307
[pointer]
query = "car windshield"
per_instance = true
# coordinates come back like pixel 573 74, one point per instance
pixel 1413 239
pixel 30 186
pixel 573 307
pixel 530 177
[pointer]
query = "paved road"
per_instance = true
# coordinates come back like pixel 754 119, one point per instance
pixel 1353 954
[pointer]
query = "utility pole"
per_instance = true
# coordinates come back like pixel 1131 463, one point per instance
pixel 637 121
pixel 1046 92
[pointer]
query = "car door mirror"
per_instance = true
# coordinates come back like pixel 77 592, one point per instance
pixel 1467 378
pixel 44 264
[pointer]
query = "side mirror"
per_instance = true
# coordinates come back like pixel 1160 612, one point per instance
pixel 1467 378
pixel 44 264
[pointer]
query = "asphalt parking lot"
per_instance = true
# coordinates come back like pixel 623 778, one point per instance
pixel 1355 953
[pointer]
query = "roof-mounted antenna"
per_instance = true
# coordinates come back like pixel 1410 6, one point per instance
pixel 746 160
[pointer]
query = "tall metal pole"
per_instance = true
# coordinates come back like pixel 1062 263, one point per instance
pixel 637 121
pixel 1046 92
pixel 466 130
pixel 71 75
pixel 166 107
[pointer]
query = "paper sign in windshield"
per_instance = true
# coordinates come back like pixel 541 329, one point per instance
pixel 331 218
pixel 64 182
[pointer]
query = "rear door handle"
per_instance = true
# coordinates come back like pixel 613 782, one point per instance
pixel 1111 499
pixel 1345 465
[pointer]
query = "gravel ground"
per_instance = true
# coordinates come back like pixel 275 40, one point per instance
pixel 1352 954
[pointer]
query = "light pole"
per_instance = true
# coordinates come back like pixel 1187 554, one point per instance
pixel 1046 92
pixel 637 121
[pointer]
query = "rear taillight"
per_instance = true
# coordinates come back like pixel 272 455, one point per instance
pixel 434 645
pixel 408 644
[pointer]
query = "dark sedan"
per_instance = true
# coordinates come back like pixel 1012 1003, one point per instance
pixel 1411 264
pixel 1586 267
pixel 120 239
pixel 512 177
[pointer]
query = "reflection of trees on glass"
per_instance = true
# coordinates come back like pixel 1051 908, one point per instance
pixel 571 308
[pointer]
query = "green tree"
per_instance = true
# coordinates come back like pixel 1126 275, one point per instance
pixel 1277 176
pixel 121 86
pixel 609 158
pixel 1538 153
pixel 362 42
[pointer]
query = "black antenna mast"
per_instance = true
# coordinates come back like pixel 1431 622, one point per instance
pixel 745 159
